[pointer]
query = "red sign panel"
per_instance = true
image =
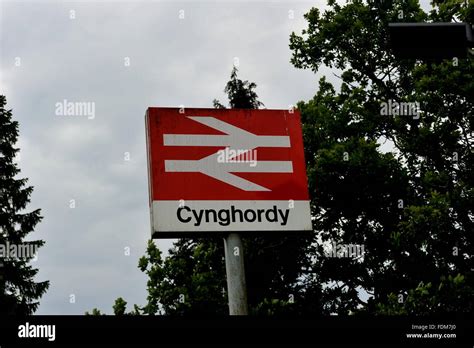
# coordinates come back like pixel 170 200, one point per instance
pixel 209 161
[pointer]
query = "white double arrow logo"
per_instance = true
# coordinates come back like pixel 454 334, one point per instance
pixel 235 139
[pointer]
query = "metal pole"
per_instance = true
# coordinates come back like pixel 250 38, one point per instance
pixel 234 265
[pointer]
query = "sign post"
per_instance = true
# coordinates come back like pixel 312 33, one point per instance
pixel 235 270
pixel 226 172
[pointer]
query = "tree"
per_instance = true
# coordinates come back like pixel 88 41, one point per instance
pixel 120 306
pixel 95 311
pixel 19 293
pixel 411 207
pixel 241 94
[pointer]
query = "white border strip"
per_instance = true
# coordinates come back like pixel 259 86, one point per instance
pixel 223 216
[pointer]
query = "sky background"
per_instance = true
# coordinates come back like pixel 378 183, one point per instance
pixel 46 57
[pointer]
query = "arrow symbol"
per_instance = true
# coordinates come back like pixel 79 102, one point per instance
pixel 235 138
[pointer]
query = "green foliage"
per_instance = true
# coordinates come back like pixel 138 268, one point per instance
pixel 120 306
pixel 19 293
pixel 190 280
pixel 241 94
pixel 410 207
pixel 450 294
pixel 95 311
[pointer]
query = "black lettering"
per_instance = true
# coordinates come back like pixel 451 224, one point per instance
pixel 254 216
pixel 198 217
pixel 260 212
pixel 270 211
pixel 224 217
pixel 178 214
pixel 208 212
pixel 284 217
pixel 234 211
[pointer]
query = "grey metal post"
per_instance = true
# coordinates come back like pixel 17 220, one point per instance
pixel 234 265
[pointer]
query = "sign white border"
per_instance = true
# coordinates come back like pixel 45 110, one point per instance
pixel 212 216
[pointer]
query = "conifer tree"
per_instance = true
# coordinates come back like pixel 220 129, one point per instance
pixel 19 292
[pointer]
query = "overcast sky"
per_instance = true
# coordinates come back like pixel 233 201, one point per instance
pixel 123 56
